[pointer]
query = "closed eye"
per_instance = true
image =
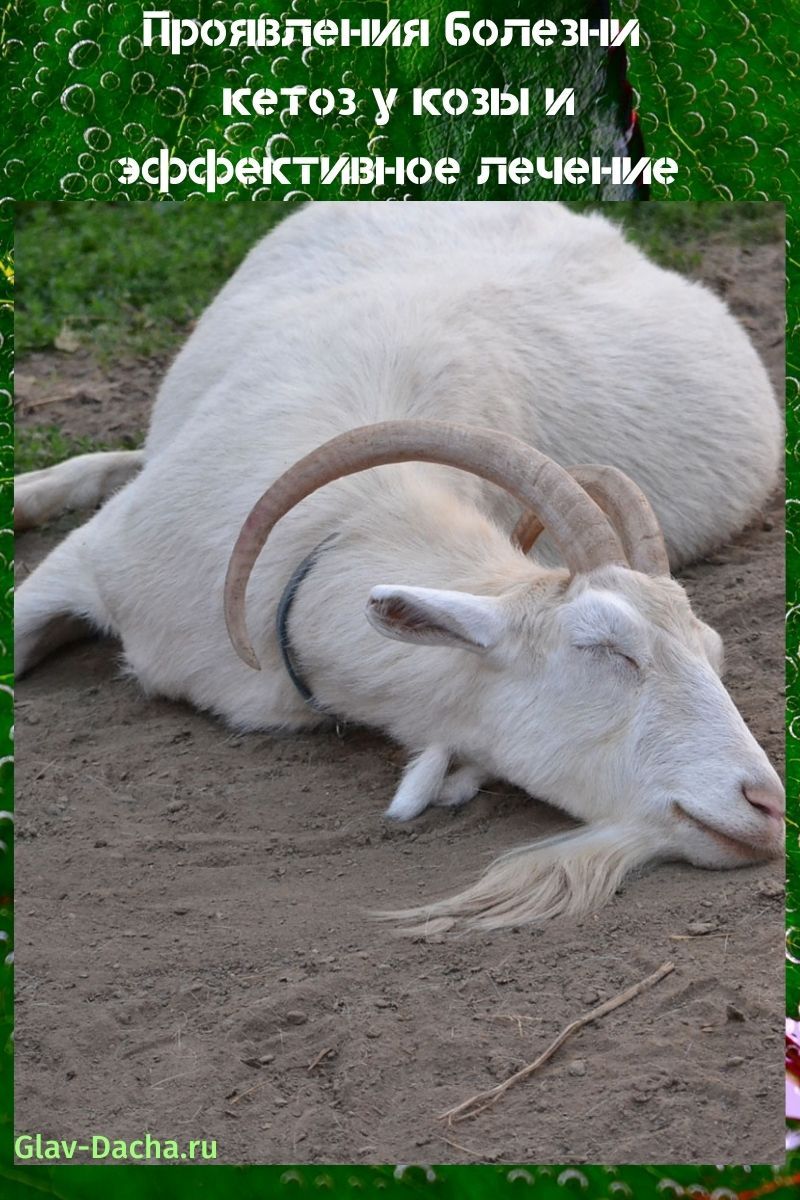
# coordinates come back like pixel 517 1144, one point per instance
pixel 610 651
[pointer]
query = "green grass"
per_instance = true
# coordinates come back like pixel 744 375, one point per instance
pixel 673 234
pixel 46 445
pixel 126 278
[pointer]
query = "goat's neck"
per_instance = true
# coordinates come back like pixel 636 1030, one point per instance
pixel 362 676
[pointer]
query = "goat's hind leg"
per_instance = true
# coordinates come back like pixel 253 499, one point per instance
pixel 56 604
pixel 80 482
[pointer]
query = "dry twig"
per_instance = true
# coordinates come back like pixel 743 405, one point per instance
pixel 457 1146
pixel 692 937
pixel 58 398
pixel 237 1096
pixel 483 1100
pixel 322 1054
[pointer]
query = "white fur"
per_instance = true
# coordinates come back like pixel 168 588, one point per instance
pixel 77 483
pixel 422 782
pixel 601 695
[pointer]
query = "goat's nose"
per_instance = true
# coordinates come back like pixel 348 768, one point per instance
pixel 769 800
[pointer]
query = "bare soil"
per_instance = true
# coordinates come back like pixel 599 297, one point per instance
pixel 194 957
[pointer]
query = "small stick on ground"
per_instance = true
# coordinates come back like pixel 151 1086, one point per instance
pixel 457 1146
pixel 57 399
pixel 241 1095
pixel 692 937
pixel 483 1100
pixel 322 1054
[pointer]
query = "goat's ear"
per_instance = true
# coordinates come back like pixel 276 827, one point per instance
pixel 714 648
pixel 436 618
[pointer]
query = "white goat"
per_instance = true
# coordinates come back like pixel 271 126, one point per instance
pixel 592 686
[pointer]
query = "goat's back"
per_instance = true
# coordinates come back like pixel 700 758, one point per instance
pixel 525 317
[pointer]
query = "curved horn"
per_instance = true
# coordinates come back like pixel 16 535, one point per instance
pixel 628 509
pixel 580 530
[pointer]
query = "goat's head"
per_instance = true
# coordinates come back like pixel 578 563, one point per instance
pixel 606 700
pixel 601 694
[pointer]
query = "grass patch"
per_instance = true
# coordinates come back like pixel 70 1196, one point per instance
pixel 673 234
pixel 125 278
pixel 45 445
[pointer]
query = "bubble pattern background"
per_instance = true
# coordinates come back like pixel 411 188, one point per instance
pixel 717 82
pixel 409 1181
pixel 6 671
pixel 90 90
pixel 719 87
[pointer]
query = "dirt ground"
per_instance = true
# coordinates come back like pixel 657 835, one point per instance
pixel 193 956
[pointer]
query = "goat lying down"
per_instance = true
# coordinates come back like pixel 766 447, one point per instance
pixel 438 344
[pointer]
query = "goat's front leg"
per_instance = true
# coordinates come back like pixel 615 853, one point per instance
pixel 460 786
pixel 425 782
pixel 421 784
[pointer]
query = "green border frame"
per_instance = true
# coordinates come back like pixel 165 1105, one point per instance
pixel 717 82
pixel 6 676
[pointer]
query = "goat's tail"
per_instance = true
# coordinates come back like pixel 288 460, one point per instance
pixel 80 482
pixel 569 874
